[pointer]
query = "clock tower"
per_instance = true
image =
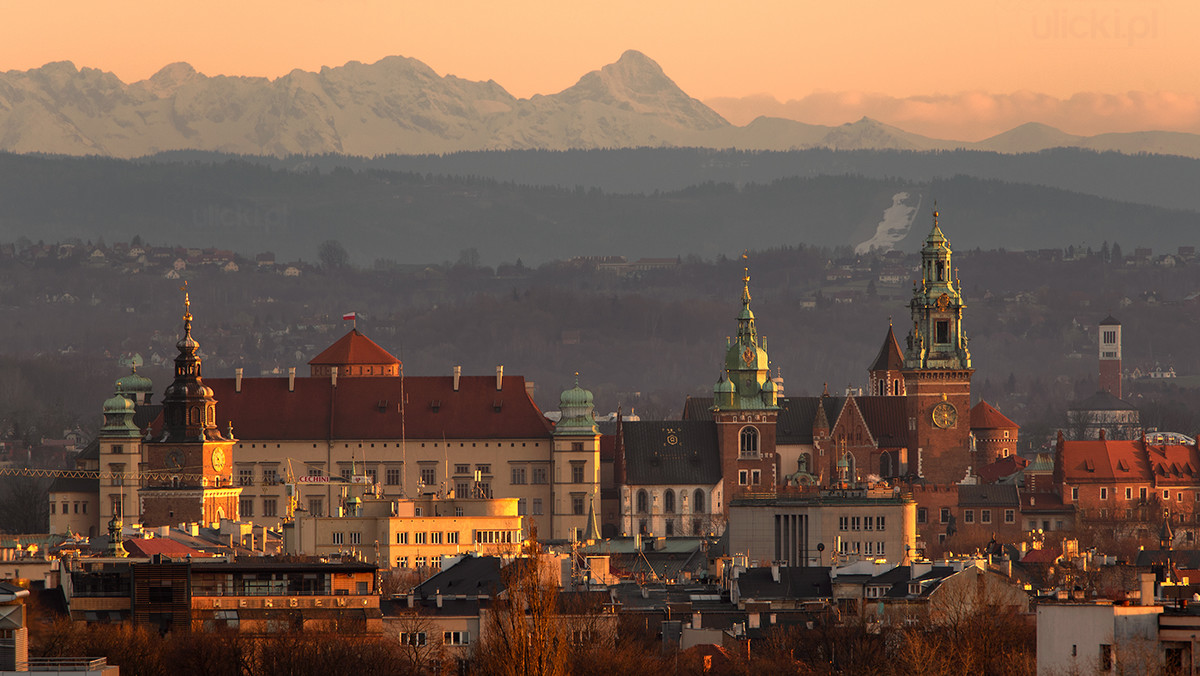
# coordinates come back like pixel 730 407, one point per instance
pixel 188 463
pixel 937 368
pixel 745 410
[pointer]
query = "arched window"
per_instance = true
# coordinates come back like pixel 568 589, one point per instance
pixel 698 501
pixel 669 501
pixel 885 464
pixel 896 387
pixel 749 441
pixel 880 385
pixel 643 502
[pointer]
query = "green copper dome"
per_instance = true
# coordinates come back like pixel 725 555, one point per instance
pixel 134 383
pixel 578 412
pixel 118 418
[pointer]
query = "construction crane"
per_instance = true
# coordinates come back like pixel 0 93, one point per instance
pixel 96 474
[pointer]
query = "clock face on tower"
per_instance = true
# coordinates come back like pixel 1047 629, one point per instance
pixel 944 415
pixel 218 460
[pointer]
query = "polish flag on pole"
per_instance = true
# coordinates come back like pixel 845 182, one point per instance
pixel 349 316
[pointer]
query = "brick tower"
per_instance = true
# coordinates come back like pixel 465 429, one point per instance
pixel 1110 356
pixel 937 368
pixel 745 410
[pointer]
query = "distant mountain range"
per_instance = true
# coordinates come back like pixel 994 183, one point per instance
pixel 399 105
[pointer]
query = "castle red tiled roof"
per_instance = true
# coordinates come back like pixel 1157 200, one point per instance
pixel 1104 461
pixel 369 408
pixel 1006 466
pixel 984 416
pixel 354 348
pixel 1174 464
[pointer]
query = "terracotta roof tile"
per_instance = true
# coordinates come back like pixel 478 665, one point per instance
pixel 984 416
pixel 354 348
pixel 995 471
pixel 369 408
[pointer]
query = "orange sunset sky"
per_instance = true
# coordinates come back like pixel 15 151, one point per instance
pixel 961 69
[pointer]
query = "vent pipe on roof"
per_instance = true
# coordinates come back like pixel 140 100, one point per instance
pixel 291 379
pixel 457 375
pixel 237 379
pixel 499 377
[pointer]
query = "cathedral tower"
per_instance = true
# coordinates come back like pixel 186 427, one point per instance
pixel 190 461
pixel 745 410
pixel 1110 356
pixel 937 368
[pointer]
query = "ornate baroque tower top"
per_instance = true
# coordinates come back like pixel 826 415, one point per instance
pixel 937 339
pixel 578 412
pixel 189 409
pixel 744 384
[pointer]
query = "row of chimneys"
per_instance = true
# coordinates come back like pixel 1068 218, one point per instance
pixel 237 378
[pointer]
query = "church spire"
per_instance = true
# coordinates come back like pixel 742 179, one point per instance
pixel 189 409
pixel 745 382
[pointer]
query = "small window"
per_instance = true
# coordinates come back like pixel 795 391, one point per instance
pixel 943 331
pixel 969 516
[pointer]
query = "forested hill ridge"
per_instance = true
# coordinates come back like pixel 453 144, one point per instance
pixel 400 105
pixel 415 218
pixel 1157 180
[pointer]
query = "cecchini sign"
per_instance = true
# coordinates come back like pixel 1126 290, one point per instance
pixel 286 602
pixel 312 479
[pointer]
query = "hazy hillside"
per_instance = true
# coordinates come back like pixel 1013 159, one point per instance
pixel 418 218
pixel 1158 180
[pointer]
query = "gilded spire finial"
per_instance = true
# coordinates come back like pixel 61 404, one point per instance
pixel 935 213
pixel 187 309
pixel 746 277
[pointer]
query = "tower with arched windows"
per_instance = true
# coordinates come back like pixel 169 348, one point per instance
pixel 745 410
pixel 937 368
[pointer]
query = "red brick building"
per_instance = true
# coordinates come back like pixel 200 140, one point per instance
pixel 995 436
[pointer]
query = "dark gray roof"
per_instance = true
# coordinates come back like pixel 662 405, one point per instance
pixel 796 415
pixel 1102 401
pixel 1187 559
pixel 806 582
pixel 472 576
pixel 671 452
pixel 1110 321
pixel 90 452
pixel 988 495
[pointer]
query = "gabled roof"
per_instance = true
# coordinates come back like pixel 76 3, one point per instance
pixel 369 408
pixel 886 419
pixel 890 358
pixel 796 416
pixel 354 348
pixel 984 416
pixel 671 452
pixel 1110 321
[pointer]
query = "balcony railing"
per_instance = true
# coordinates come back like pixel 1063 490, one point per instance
pixel 68 663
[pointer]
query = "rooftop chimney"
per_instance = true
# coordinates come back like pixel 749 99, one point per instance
pixel 333 376
pixel 237 379
pixel 499 377
pixel 292 379
pixel 457 375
